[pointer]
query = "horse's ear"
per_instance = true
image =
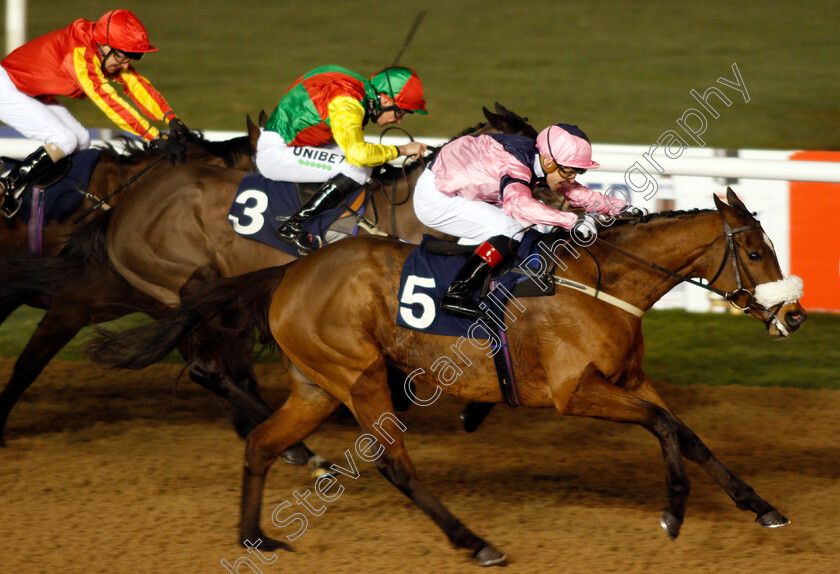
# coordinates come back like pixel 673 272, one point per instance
pixel 735 203
pixel 494 119
pixel 253 132
pixel 720 205
pixel 263 118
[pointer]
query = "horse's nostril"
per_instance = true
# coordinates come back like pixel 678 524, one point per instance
pixel 795 318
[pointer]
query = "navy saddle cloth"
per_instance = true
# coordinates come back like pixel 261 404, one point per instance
pixel 62 199
pixel 261 204
pixel 426 277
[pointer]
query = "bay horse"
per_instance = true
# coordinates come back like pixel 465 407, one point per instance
pixel 74 304
pixel 170 233
pixel 333 313
pixel 118 165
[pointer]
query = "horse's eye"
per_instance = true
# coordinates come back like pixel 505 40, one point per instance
pixel 754 256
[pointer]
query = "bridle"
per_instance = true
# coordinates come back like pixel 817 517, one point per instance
pixel 730 254
pixel 737 265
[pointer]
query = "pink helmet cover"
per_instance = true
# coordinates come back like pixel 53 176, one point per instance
pixel 567 145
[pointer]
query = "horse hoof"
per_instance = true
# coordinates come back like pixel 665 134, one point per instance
pixel 489 556
pixel 318 472
pixel 320 467
pixel 297 455
pixel 772 519
pixel 671 523
pixel 264 543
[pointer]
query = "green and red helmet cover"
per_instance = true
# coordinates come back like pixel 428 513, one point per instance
pixel 401 85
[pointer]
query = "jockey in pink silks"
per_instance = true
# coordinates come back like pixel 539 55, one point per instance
pixel 478 188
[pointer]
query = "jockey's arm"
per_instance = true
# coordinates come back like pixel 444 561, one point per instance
pixel 88 73
pixel 148 100
pixel 519 203
pixel 346 116
pixel 581 196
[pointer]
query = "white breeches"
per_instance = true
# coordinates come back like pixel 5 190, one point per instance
pixel 472 221
pixel 48 123
pixel 304 164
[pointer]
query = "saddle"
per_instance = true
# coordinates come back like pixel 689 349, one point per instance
pixel 428 272
pixel 11 203
pixel 261 203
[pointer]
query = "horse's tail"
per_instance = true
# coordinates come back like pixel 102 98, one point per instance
pixel 24 274
pixel 235 307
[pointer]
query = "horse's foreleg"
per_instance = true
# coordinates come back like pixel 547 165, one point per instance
pixel 56 329
pixel 306 408
pixel 594 396
pixel 695 450
pixel 372 406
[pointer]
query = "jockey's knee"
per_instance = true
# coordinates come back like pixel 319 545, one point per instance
pixel 357 173
pixel 67 142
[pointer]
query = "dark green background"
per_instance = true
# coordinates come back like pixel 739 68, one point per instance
pixel 621 70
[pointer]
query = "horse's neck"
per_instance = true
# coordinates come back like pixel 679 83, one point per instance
pixel 680 243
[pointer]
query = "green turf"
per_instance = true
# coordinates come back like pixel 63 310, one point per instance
pixel 682 348
pixel 685 348
pixel 620 69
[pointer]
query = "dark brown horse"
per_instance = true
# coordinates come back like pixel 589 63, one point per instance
pixel 333 313
pixel 101 295
pixel 170 233
pixel 115 167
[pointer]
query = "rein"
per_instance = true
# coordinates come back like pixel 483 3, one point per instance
pixel 105 199
pixel 393 201
pixel 731 253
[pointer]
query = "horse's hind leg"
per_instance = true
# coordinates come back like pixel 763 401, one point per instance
pixel 594 396
pixel 246 410
pixel 221 365
pixel 306 408
pixel 740 492
pixel 56 329
pixel 371 404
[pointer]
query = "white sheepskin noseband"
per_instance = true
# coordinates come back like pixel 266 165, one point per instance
pixel 783 291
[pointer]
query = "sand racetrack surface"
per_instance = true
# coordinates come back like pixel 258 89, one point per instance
pixel 125 472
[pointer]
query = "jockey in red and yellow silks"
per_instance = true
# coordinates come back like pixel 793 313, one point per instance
pixel 78 61
pixel 69 63
pixel 316 134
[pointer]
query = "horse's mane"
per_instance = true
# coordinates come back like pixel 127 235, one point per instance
pixel 479 126
pixel 652 217
pixel 132 149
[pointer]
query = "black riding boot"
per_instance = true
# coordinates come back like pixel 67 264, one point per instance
pixel 330 195
pixel 458 298
pixel 29 171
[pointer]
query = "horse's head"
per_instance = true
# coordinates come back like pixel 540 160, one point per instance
pixel 750 272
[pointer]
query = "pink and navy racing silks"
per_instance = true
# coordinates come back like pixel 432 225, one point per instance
pixel 502 169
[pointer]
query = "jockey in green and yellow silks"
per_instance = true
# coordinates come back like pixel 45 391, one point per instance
pixel 316 134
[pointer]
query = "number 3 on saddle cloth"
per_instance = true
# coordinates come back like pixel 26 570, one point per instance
pixel 261 204
pixel 424 280
pixel 60 200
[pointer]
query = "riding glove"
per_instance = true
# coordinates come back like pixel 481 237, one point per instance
pixel 172 148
